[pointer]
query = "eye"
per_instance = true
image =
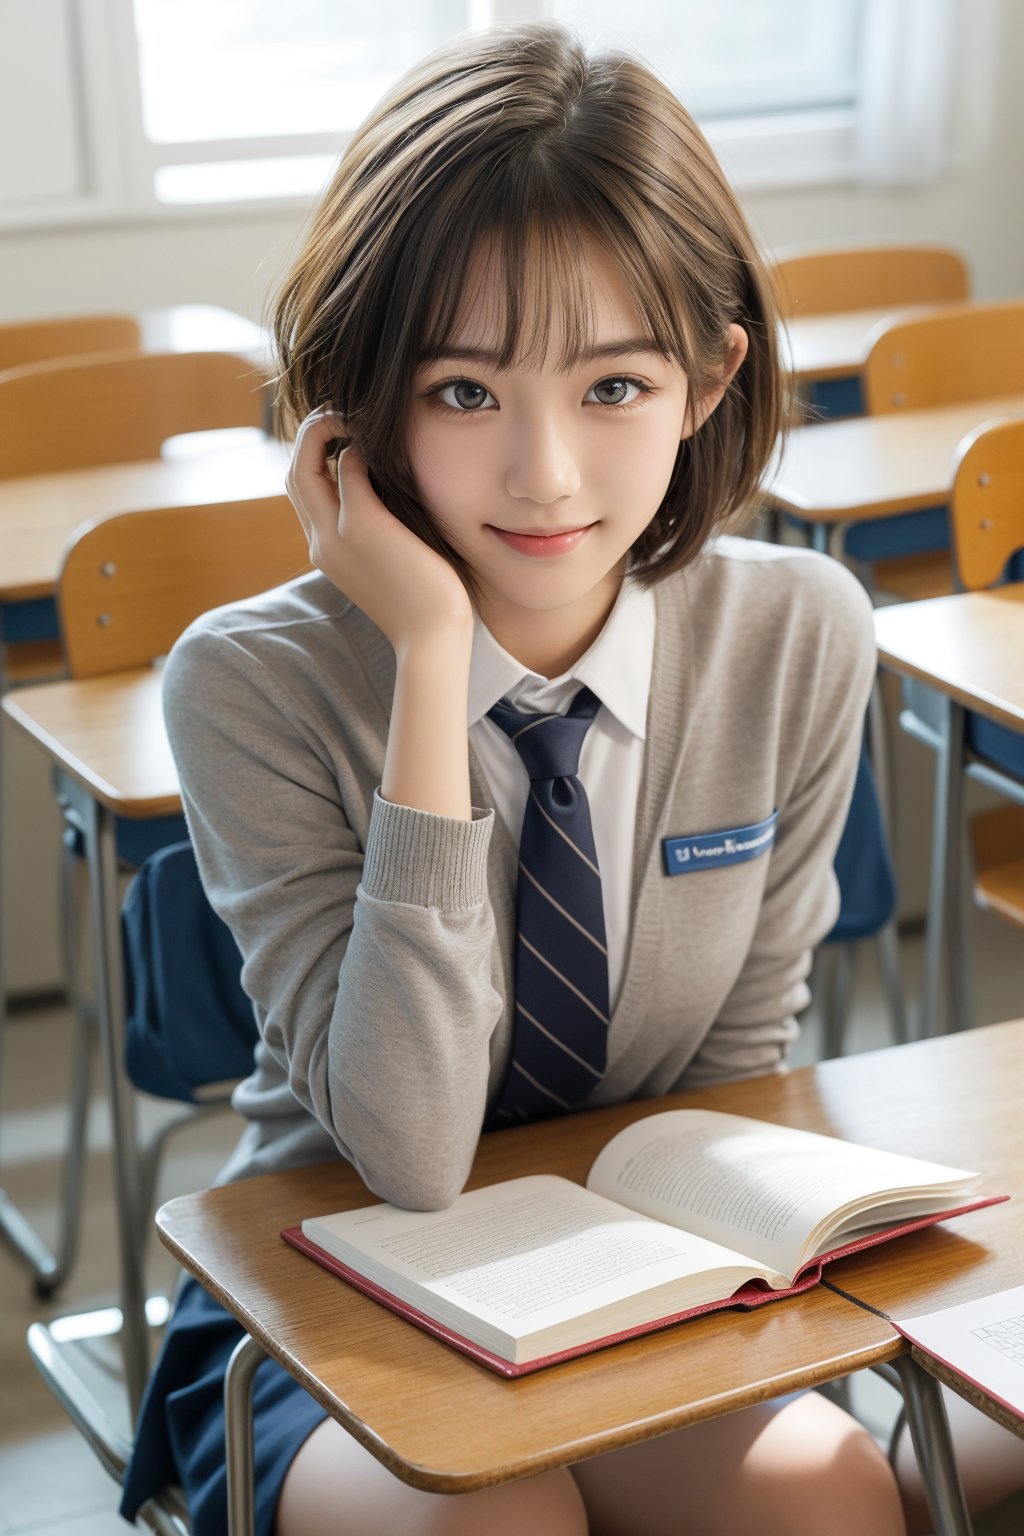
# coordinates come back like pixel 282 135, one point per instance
pixel 617 387
pixel 467 397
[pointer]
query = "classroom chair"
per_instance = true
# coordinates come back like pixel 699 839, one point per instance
pixel 190 1029
pixel 962 353
pixel 867 891
pixel 987 526
pixel 836 279
pixel 40 341
pixel 113 408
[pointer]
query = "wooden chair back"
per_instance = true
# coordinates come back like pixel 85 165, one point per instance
pixel 40 341
pixel 132 582
pixel 833 279
pixel 970 352
pixel 117 407
pixel 987 510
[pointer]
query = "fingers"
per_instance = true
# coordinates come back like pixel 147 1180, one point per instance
pixel 308 483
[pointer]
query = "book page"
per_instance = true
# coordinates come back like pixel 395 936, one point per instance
pixel 763 1188
pixel 523 1255
pixel 981 1340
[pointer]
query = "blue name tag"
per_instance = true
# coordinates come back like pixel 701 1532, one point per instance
pixel 710 850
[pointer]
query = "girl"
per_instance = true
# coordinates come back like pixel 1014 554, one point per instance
pixel 530 308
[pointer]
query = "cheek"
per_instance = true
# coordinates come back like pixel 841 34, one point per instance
pixel 446 465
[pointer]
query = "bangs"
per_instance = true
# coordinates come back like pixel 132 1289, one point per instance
pixel 510 281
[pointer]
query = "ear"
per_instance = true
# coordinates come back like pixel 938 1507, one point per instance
pixel 700 409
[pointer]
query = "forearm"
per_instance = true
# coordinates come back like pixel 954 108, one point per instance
pixel 426 765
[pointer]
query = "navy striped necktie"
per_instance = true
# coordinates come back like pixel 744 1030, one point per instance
pixel 560 1029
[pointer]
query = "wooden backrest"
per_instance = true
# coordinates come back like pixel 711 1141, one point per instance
pixel 116 407
pixel 39 341
pixel 966 352
pixel 131 583
pixel 987 510
pixel 831 279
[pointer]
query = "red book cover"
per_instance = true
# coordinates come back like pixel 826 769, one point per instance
pixel 754 1293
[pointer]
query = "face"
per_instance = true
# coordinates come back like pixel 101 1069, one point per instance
pixel 542 480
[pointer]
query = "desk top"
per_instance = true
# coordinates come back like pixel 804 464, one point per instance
pixel 969 1083
pixel 38 513
pixel 108 734
pixel 870 466
pixel 836 345
pixel 969 646
pixel 441 1422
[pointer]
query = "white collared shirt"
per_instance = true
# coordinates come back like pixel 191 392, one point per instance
pixel 617 668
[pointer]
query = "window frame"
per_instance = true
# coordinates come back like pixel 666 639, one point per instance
pixel 816 147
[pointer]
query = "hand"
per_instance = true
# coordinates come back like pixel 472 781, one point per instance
pixel 406 588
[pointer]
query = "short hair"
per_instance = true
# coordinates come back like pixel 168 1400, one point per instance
pixel 518 140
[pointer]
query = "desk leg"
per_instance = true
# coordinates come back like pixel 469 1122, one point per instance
pixel 98 829
pixel 946 949
pixel 238 1441
pixel 929 1430
pixel 15 1228
pixel 820 537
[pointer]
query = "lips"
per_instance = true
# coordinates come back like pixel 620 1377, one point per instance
pixel 541 543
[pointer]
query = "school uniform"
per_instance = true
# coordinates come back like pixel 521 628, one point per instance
pixel 378 940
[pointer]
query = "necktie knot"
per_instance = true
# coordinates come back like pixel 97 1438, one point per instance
pixel 549 745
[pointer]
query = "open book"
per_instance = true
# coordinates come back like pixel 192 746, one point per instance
pixel 683 1212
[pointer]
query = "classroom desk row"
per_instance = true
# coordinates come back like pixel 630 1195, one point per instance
pixel 441 1422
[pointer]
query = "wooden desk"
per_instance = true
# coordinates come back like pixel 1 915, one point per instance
pixel 847 471
pixel 836 346
pixel 106 733
pixel 966 1078
pixel 105 738
pixel 441 1422
pixel 39 513
pixel 968 648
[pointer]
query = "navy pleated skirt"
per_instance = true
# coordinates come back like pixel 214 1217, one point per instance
pixel 180 1435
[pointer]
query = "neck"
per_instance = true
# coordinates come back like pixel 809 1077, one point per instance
pixel 551 641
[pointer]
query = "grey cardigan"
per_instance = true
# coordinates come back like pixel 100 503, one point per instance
pixel 378 939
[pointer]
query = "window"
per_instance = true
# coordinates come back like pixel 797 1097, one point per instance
pixel 131 109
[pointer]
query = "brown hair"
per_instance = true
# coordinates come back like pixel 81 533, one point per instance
pixel 514 136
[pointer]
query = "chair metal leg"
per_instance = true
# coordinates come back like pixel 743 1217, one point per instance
pixel 238 1435
pixel 929 1431
pixel 98 826
pixel 945 939
pixel 835 997
pixel 49 1270
pixel 888 941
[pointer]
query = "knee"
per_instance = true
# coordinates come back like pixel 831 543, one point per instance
pixel 857 1486
pixel 548 1504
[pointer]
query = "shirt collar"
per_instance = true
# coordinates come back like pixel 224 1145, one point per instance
pixel 617 667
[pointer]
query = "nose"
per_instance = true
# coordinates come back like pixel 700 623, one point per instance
pixel 543 465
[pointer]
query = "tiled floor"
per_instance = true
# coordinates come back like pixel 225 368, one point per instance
pixel 50 1483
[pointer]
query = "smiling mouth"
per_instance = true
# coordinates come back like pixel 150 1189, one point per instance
pixel 540 542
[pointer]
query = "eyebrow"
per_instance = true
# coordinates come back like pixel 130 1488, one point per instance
pixel 620 348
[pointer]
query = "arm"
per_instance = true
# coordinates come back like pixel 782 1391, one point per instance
pixel 366 946
pixel 371 974
pixel 826 703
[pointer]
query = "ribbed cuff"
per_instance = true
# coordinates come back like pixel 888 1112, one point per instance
pixel 426 860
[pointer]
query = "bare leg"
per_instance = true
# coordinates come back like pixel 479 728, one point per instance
pixel 990 1458
pixel 798 1470
pixel 336 1488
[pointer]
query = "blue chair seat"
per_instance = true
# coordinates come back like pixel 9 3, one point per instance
pixel 997 744
pixel 188 1022
pixel 136 840
pixel 863 866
